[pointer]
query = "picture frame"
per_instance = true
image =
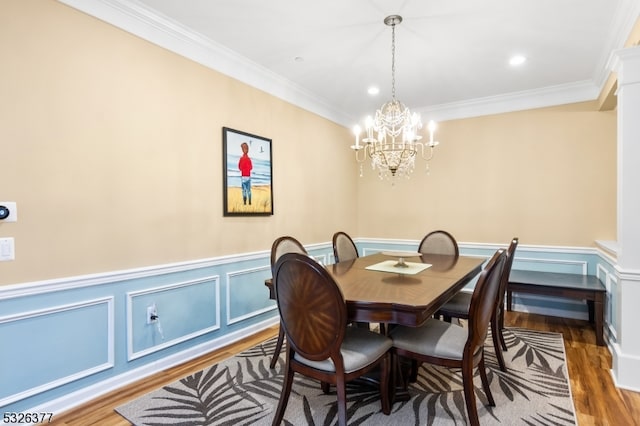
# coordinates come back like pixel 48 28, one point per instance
pixel 248 184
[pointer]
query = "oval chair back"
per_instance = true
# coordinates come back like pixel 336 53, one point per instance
pixel 312 308
pixel 343 247
pixel 483 302
pixel 497 324
pixel 511 251
pixel 281 246
pixel 439 242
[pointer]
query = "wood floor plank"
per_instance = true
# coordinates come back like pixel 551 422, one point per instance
pixel 596 399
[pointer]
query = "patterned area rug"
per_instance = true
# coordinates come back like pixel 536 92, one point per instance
pixel 244 391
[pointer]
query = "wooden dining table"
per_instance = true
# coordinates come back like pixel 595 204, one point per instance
pixel 399 296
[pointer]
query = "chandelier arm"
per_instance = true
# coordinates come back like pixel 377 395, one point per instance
pixel 361 158
pixel 430 151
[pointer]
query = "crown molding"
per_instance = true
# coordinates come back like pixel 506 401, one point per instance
pixel 624 20
pixel 626 54
pixel 517 101
pixel 145 23
pixel 139 20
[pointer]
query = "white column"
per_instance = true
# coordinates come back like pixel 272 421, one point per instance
pixel 626 352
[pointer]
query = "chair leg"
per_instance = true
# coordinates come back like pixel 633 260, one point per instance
pixel 469 394
pixel 385 367
pixel 501 327
pixel 341 389
pixel 501 337
pixel 287 381
pixel 485 381
pixel 495 335
pixel 326 387
pixel 276 352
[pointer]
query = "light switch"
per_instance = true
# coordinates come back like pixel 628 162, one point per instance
pixel 7 251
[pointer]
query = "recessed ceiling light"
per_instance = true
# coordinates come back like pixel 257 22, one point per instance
pixel 373 90
pixel 516 60
pixel 298 59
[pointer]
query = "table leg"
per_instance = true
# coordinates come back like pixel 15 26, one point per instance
pixel 598 306
pixel 398 383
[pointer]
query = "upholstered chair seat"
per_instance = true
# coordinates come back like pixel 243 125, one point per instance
pixel 434 339
pixel 359 348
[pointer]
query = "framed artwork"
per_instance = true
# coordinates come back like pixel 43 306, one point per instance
pixel 247 166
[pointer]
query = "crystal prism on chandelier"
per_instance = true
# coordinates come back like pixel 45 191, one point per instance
pixel 391 140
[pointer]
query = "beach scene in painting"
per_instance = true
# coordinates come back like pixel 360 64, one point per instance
pixel 257 197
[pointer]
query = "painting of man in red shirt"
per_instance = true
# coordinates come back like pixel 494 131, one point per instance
pixel 247 189
pixel 245 167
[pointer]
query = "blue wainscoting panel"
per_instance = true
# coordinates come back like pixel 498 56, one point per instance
pixel 43 349
pixel 185 310
pixel 247 296
pixel 565 266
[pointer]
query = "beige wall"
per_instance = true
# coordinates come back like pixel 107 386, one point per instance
pixel 112 150
pixel 546 175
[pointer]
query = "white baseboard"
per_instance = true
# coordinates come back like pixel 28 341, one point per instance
pixel 625 370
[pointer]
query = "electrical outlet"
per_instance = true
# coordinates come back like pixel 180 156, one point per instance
pixel 152 314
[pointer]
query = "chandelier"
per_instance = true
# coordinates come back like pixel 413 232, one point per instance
pixel 391 139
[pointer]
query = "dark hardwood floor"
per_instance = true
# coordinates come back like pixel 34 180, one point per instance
pixel 597 400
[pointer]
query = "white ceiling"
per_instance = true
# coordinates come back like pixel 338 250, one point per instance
pixel 451 55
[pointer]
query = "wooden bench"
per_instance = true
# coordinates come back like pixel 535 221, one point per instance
pixel 574 286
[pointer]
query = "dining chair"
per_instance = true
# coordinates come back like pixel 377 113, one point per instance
pixel 436 242
pixel 439 242
pixel 449 345
pixel 499 317
pixel 313 313
pixel 458 307
pixel 280 246
pixel 343 247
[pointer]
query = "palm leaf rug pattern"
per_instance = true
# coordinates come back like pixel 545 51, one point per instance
pixel 243 390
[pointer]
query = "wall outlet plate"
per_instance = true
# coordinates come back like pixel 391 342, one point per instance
pixel 152 314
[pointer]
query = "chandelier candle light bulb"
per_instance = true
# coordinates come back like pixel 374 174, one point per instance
pixel 368 125
pixel 432 128
pixel 396 145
